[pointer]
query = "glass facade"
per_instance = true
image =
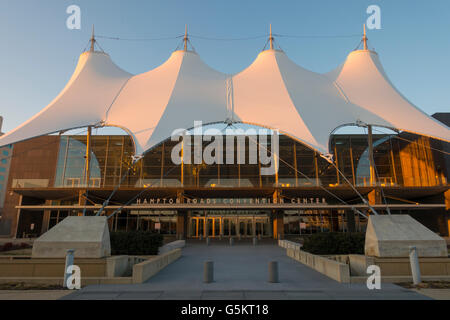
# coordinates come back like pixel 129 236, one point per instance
pixel 298 222
pixel 399 161
pixel 403 160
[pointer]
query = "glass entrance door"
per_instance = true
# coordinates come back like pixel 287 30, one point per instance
pixel 246 227
pixel 262 226
pixel 212 226
pixel 206 227
pixel 230 226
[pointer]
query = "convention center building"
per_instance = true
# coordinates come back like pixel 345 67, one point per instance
pixel 207 154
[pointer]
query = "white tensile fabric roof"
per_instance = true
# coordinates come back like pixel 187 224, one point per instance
pixel 272 92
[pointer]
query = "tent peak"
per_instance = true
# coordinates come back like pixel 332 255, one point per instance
pixel 364 41
pixel 271 42
pixel 182 51
pixel 186 42
pixel 93 42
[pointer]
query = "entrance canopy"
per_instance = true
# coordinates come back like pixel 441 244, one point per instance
pixel 272 92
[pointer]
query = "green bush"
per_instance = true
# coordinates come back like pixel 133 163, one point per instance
pixel 135 243
pixel 335 243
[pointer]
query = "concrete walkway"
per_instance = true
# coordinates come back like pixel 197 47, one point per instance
pixel 437 294
pixel 33 294
pixel 241 272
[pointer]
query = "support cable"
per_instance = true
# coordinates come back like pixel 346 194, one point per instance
pixel 310 180
pixel 142 191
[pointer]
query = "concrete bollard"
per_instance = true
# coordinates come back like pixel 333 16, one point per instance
pixel 208 272
pixel 69 262
pixel 231 241
pixel 208 240
pixel 415 267
pixel 239 237
pixel 259 236
pixel 273 272
pixel 255 241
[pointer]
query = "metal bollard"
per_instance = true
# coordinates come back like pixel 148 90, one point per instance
pixel 208 272
pixel 273 272
pixel 255 241
pixel 239 236
pixel 69 262
pixel 231 241
pixel 415 267
pixel 259 236
pixel 200 237
pixel 208 240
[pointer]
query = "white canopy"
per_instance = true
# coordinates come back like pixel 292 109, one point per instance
pixel 364 82
pixel 83 102
pixel 276 93
pixel 273 92
pixel 172 96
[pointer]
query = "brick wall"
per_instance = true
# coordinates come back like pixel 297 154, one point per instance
pixel 33 159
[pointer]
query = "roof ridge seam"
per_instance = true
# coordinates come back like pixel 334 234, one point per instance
pixel 341 91
pixel 293 104
pixel 115 98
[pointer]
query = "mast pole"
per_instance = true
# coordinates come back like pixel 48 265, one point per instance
pixel 92 40
pixel 365 38
pixel 271 38
pixel 185 39
pixel 371 160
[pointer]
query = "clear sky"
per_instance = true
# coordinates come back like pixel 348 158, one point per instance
pixel 38 53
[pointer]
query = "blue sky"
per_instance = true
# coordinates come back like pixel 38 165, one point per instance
pixel 38 53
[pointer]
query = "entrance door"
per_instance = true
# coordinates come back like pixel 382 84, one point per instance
pixel 246 227
pixel 229 226
pixel 212 226
pixel 197 227
pixel 262 226
pixel 207 227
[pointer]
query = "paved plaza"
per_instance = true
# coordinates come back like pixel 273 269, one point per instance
pixel 241 273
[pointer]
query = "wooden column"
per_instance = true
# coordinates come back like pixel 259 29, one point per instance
pixel 181 224
pixel 87 171
pixel 375 197
pixel 46 218
pixel 18 217
pixel 278 225
pixel 447 209
pixel 371 160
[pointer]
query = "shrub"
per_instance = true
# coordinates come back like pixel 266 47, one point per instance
pixel 24 245
pixel 135 243
pixel 335 243
pixel 7 246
